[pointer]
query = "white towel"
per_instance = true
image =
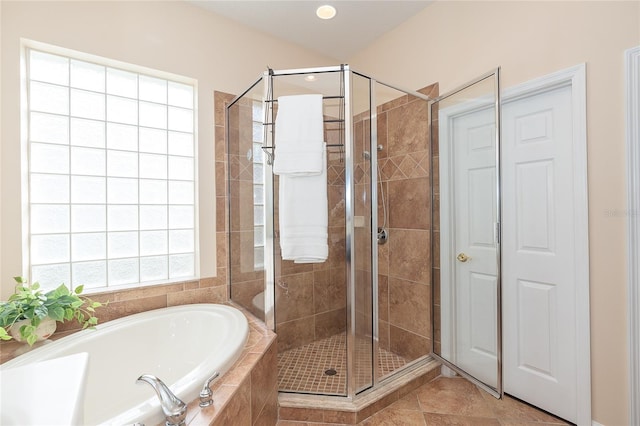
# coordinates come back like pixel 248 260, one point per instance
pixel 304 217
pixel 299 138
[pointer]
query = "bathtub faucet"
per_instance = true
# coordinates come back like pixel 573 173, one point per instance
pixel 206 394
pixel 175 411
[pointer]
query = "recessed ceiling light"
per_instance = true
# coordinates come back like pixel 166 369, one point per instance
pixel 310 78
pixel 326 12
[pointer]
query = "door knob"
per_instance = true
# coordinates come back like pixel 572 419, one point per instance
pixel 463 257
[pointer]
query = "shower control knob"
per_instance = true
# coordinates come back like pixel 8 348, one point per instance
pixel 383 236
pixel 463 257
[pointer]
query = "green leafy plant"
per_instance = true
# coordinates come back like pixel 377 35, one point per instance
pixel 30 303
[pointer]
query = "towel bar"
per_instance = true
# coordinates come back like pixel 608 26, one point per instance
pixel 324 97
pixel 269 150
pixel 326 121
pixel 269 117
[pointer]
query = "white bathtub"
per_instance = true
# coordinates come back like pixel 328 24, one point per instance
pixel 182 346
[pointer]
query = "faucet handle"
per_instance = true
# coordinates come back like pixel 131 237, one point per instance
pixel 206 394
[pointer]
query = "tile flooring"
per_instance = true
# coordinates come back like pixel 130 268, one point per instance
pixel 303 369
pixel 453 401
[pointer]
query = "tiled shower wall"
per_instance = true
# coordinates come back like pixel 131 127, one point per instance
pixel 404 262
pixel 311 298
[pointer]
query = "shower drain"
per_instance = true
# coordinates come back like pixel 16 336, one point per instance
pixel 330 372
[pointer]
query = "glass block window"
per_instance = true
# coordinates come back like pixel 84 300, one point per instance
pixel 258 185
pixel 111 167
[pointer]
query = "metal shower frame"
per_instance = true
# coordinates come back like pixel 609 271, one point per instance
pixel 348 139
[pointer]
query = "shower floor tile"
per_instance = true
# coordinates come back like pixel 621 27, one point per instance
pixel 309 368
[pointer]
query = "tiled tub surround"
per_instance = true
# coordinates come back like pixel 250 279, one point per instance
pixel 246 395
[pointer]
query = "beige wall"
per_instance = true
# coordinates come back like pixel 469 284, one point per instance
pixel 1 197
pixel 449 42
pixel 453 42
pixel 169 36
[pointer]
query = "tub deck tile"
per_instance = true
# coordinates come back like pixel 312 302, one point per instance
pixel 247 393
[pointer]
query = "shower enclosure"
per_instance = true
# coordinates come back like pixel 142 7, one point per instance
pixel 364 314
pixel 466 220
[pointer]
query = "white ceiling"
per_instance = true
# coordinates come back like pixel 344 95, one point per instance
pixel 356 25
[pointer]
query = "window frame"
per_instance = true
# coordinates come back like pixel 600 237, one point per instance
pixel 26 157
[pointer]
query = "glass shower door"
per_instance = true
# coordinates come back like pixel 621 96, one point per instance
pixel 465 143
pixel 361 257
pixel 311 298
pixel 246 181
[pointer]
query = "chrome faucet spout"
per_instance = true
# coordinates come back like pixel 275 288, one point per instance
pixel 175 411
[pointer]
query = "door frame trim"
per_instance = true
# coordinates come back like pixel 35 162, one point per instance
pixel 575 77
pixel 632 89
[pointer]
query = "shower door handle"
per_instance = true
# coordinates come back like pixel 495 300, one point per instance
pixel 462 257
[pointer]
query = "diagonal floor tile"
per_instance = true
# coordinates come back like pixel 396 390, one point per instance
pixel 513 410
pixel 453 396
pixel 408 402
pixel 454 402
pixel 391 416
pixel 433 419
pixel 510 422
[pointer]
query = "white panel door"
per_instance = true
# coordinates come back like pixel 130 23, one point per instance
pixel 538 253
pixel 475 270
